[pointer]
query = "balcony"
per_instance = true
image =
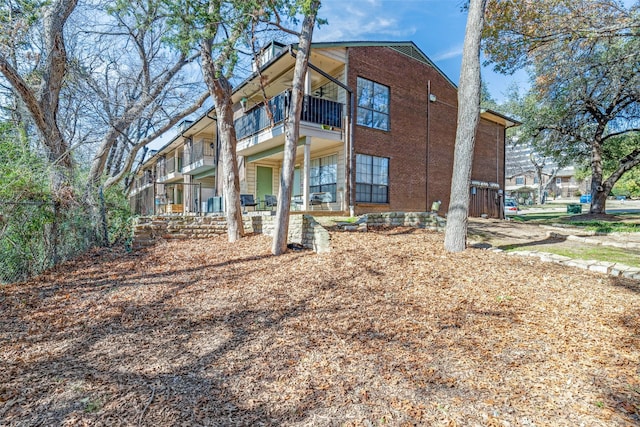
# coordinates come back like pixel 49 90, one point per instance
pixel 199 157
pixel 170 169
pixel 320 111
pixel 142 182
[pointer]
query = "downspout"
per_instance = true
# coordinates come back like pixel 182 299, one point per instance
pixel 504 163
pixel 217 153
pixel 426 162
pixel 504 172
pixel 498 180
pixel 349 132
pixel 497 151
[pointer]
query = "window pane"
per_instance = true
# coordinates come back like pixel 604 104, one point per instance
pixel 365 93
pixel 363 193
pixel 380 172
pixel 365 117
pixel 362 167
pixel 373 104
pixel 380 121
pixel 372 179
pixel 379 194
pixel 323 175
pixel 381 98
pixel 314 172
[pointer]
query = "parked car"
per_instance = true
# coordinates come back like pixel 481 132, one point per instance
pixel 510 207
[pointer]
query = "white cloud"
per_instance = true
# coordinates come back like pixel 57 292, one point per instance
pixel 360 20
pixel 453 52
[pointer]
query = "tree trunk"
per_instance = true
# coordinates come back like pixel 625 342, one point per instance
pixel 43 103
pixel 598 195
pixel 220 90
pixel 292 133
pixel 600 191
pixel 468 116
pixel 228 142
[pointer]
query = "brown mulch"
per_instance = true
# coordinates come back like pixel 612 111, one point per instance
pixel 387 329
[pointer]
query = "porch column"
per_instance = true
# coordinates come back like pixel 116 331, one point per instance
pixel 307 83
pixel 306 173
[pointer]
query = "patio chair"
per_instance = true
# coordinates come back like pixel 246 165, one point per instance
pixel 247 200
pixel 270 201
pixel 320 199
pixel 296 202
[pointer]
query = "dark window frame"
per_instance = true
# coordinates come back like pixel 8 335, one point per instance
pixel 372 186
pixel 372 112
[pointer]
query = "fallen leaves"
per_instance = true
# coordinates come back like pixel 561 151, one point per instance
pixel 387 329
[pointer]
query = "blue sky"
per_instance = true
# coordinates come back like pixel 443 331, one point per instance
pixel 436 26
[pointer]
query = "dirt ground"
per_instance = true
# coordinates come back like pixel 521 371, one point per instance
pixel 499 233
pixel 386 329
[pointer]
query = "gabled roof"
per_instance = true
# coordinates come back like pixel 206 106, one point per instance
pixel 407 48
pixel 500 118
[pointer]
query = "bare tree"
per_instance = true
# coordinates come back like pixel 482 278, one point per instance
pixel 40 90
pixel 539 162
pixel 468 117
pixel 224 26
pixel 140 85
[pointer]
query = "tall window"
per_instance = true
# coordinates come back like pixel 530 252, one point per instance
pixel 373 104
pixel 323 175
pixel 372 179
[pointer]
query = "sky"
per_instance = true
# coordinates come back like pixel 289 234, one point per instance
pixel 437 27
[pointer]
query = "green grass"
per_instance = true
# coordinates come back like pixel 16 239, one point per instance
pixel 608 227
pixel 539 217
pixel 599 253
pixel 624 223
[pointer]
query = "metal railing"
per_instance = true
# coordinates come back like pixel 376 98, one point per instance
pixel 322 111
pixel 258 118
pixel 315 110
pixel 198 150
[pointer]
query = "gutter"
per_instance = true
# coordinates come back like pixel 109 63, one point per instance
pixel 217 153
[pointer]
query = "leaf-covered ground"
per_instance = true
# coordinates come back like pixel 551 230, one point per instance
pixel 387 329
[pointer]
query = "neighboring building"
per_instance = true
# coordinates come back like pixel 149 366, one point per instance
pixel 377 134
pixel 523 187
pixel 567 185
pixel 521 181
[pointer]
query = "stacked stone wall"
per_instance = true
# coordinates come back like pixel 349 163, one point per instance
pixel 406 219
pixel 303 229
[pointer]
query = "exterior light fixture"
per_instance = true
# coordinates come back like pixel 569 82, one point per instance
pixel 432 98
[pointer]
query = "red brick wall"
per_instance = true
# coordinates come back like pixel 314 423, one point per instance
pixel 405 144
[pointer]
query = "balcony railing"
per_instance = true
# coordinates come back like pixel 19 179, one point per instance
pixel 315 110
pixel 145 180
pixel 257 119
pixel 171 165
pixel 198 151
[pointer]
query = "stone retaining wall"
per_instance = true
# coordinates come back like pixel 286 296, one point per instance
pixel 426 220
pixel 303 229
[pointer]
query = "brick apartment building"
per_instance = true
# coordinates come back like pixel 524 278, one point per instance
pixel 377 134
